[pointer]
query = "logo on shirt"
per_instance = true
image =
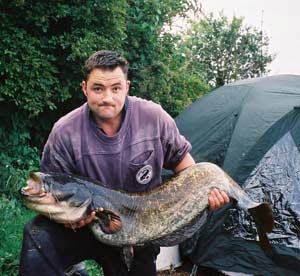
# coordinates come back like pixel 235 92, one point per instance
pixel 144 175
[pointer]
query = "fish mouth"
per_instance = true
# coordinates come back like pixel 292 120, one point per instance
pixel 34 186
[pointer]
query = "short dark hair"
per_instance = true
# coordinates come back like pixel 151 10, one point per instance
pixel 105 59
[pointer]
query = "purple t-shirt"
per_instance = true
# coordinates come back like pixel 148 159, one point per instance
pixel 132 160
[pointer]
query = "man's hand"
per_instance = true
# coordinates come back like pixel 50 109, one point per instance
pixel 81 223
pixel 217 199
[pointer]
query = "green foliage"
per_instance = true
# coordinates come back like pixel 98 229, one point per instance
pixel 158 69
pixel 17 156
pixel 169 81
pixel 44 46
pixel 227 50
pixel 13 217
pixel 93 268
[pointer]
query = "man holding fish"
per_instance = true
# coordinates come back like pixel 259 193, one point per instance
pixel 124 142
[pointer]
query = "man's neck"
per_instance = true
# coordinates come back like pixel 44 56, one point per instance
pixel 110 127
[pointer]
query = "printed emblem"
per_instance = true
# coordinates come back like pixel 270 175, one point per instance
pixel 144 175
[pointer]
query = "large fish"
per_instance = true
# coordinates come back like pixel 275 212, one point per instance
pixel 166 215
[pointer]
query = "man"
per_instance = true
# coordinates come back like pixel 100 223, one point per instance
pixel 124 142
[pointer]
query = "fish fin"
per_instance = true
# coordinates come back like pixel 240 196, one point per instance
pixel 264 220
pixel 127 256
pixel 109 221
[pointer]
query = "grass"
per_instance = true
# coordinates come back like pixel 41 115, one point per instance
pixel 13 217
pixel 93 268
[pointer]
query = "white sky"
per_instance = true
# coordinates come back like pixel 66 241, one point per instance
pixel 281 23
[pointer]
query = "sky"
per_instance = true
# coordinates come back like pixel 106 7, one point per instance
pixel 281 23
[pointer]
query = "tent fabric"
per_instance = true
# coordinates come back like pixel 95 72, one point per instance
pixel 250 128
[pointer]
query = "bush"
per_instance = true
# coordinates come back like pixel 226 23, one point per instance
pixel 44 45
pixel 17 156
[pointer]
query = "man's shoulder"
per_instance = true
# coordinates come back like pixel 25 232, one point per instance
pixel 143 105
pixel 149 110
pixel 72 119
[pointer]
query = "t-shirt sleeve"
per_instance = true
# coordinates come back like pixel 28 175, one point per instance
pixel 175 145
pixel 57 154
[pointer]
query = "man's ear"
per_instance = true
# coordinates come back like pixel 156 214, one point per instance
pixel 127 86
pixel 84 87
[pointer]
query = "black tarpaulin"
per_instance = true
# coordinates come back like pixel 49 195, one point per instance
pixel 251 129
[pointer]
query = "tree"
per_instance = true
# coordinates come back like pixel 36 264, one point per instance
pixel 158 68
pixel 226 50
pixel 45 43
pixel 168 80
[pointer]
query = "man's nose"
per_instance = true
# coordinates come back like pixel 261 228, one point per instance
pixel 108 96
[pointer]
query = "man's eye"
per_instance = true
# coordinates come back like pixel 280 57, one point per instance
pixel 116 89
pixel 98 89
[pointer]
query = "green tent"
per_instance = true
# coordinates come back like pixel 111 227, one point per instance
pixel 251 129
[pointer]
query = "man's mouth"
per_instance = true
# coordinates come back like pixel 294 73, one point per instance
pixel 107 106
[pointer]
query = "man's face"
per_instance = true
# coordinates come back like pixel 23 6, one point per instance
pixel 106 91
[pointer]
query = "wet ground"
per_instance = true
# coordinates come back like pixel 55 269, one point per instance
pixel 186 270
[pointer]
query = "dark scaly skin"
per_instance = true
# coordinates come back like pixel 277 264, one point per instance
pixel 170 207
pixel 166 215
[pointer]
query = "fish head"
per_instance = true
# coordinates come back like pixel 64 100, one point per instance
pixel 57 197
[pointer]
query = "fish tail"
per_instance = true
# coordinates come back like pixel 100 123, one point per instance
pixel 264 220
